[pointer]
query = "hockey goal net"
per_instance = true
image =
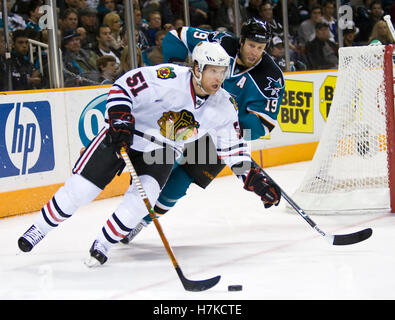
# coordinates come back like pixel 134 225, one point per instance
pixel 353 169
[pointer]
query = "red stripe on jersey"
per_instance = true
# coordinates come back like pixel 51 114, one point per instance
pixel 52 214
pixel 113 230
pixel 87 154
pixel 193 93
pixel 117 91
pixel 233 154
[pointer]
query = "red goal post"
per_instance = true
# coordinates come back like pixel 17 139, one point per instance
pixel 389 89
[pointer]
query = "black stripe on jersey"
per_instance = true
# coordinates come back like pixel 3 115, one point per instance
pixel 159 210
pixel 47 220
pixel 179 32
pixel 119 99
pixel 241 145
pixel 61 213
pixel 109 239
pixel 119 223
pixel 270 126
pixel 124 91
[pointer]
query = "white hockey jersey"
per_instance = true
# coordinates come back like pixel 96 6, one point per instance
pixel 163 94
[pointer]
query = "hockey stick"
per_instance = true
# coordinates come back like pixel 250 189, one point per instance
pixel 189 285
pixel 337 240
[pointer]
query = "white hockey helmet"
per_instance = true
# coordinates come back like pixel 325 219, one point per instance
pixel 210 53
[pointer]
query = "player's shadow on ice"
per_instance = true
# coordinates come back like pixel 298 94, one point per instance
pixel 144 251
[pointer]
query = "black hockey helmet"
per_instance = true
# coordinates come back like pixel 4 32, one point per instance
pixel 256 30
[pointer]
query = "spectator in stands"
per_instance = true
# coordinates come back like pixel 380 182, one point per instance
pixel 141 26
pixel 125 64
pixel 197 16
pixel 381 34
pixel 75 4
pixel 15 21
pixel 294 17
pixel 266 14
pixel 155 55
pixel 225 16
pixel 328 11
pixel 40 59
pixel 104 44
pixel 34 15
pixel 107 6
pixel 321 53
pixel 77 62
pixel 365 25
pixel 349 37
pixel 20 7
pixel 362 16
pixel 113 20
pixel 178 23
pixel 108 69
pixel 82 4
pixel 24 75
pixel 89 21
pixel 3 63
pixel 252 11
pixel 69 20
pixel 148 6
pixel 200 12
pixel 306 31
pixel 154 25
pixel 277 52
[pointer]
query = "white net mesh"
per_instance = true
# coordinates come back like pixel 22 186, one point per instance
pixel 349 171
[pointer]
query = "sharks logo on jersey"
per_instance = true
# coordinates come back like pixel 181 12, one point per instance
pixel 274 87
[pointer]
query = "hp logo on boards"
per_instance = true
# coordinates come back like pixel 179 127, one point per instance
pixel 26 141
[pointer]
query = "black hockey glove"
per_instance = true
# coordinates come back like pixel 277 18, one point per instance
pixel 120 132
pixel 264 187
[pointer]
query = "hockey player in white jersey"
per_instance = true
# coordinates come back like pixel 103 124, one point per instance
pixel 153 112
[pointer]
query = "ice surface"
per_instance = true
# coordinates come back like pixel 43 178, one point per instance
pixel 223 230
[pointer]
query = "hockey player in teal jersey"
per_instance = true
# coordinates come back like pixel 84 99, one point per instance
pixel 255 82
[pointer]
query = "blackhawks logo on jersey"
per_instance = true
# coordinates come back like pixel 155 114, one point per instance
pixel 178 126
pixel 165 73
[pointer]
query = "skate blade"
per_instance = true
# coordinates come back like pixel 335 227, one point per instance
pixel 92 262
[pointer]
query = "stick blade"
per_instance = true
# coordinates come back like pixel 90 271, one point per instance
pixel 200 285
pixel 197 285
pixel 351 238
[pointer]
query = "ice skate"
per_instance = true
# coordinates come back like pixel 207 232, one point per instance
pixel 97 255
pixel 30 238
